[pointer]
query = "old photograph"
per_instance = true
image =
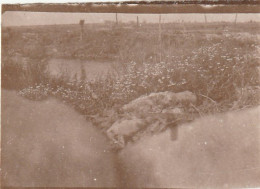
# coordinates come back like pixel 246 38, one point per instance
pixel 130 99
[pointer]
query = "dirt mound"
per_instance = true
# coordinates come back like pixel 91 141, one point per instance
pixel 214 151
pixel 47 144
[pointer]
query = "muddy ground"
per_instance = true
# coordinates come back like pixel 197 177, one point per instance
pixel 46 143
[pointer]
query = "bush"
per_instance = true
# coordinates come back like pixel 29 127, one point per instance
pixel 13 75
pixel 19 75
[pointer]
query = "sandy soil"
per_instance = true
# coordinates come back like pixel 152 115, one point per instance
pixel 49 144
pixel 212 152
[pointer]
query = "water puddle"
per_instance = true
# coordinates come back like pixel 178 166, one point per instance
pixel 74 68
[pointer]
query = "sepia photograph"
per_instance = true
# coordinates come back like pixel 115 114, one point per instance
pixel 130 95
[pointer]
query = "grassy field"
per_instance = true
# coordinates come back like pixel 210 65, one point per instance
pixel 123 43
pixel 218 62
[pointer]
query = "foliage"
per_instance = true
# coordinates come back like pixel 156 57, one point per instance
pixel 23 69
pixel 214 67
pixel 39 92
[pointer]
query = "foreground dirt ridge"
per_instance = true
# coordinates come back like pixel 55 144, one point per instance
pixel 214 151
pixel 48 144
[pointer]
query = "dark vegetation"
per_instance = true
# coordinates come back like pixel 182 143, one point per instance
pixel 217 61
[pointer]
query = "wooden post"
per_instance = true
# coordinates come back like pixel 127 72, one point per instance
pixel 160 38
pixel 81 23
pixel 205 17
pixel 236 19
pixel 137 21
pixel 116 20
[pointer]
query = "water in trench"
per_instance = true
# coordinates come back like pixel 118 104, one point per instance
pixel 73 68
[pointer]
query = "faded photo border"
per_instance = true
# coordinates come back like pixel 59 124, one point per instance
pixel 138 7
pixel 164 7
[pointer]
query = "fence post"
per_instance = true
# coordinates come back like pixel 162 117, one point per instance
pixel 81 23
pixel 116 19
pixel 160 38
pixel 205 17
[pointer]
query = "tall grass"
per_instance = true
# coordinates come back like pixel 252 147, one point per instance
pixel 24 67
pixel 215 68
pixel 18 75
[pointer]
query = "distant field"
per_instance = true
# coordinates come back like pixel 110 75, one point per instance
pixel 123 43
pixel 103 44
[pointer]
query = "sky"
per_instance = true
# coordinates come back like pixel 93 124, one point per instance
pixel 19 18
